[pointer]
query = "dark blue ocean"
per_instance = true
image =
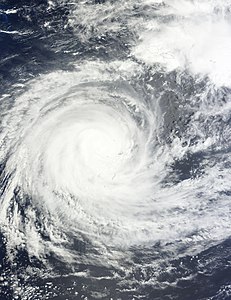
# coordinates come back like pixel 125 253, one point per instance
pixel 115 144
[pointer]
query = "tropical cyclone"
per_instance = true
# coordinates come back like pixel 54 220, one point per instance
pixel 91 158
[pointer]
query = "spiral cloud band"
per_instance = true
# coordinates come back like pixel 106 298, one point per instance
pixel 92 161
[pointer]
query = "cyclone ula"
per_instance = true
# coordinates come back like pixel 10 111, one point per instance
pixel 90 157
pixel 123 154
